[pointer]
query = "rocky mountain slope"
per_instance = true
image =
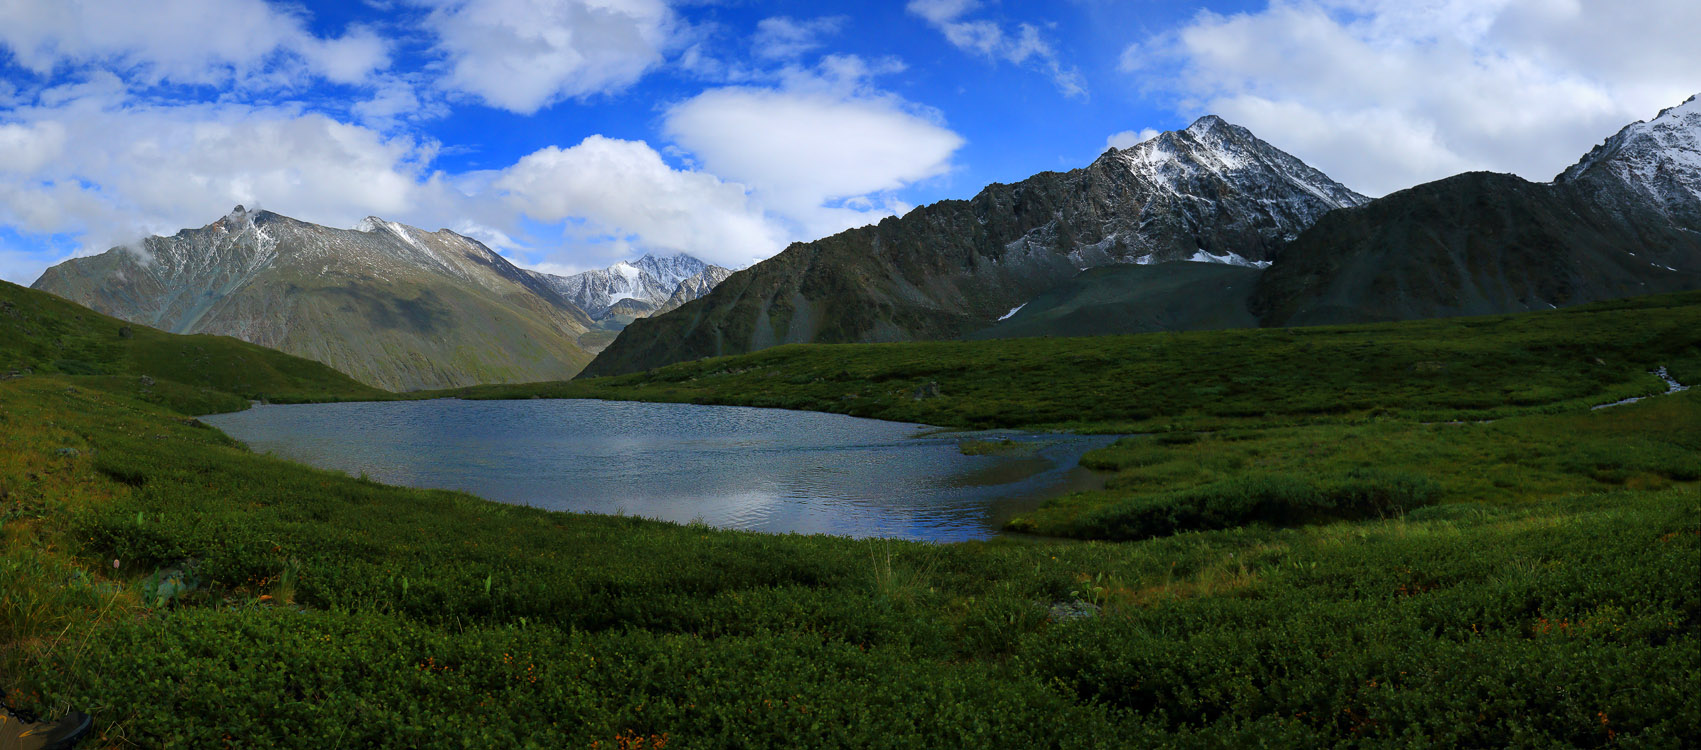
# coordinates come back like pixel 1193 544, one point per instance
pixel 391 305
pixel 1213 192
pixel 1625 220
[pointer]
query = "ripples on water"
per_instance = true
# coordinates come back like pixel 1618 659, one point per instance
pixel 731 467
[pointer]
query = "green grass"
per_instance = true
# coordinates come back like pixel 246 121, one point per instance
pixel 1180 481
pixel 1304 577
pixel 327 610
pixel 1435 370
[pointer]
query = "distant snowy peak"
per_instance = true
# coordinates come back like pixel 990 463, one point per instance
pixel 649 282
pixel 1214 150
pixel 671 270
pixel 1660 157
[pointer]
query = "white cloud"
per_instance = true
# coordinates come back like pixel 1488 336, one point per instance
pixel 1129 138
pixel 1384 94
pixel 820 148
pixel 1022 46
pixel 107 168
pixel 523 55
pixel 27 147
pixel 94 162
pixel 184 41
pixel 782 38
pixel 625 192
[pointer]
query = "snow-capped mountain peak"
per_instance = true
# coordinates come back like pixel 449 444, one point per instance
pixel 1207 124
pixel 1216 150
pixel 1660 157
pixel 649 282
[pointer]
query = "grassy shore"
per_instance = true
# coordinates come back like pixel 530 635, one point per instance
pixel 1434 370
pixel 1363 578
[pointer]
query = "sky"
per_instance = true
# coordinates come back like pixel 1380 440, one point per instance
pixel 569 134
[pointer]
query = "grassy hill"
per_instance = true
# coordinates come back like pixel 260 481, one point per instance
pixel 42 334
pixel 1525 582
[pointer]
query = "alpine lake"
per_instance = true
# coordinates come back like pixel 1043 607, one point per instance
pixel 767 470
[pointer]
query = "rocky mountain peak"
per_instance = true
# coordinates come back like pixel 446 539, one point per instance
pixel 1209 124
pixel 1660 157
pixel 648 282
pixel 1216 151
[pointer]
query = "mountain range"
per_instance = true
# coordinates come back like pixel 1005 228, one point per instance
pixel 1205 227
pixel 1242 235
pixel 1213 192
pixel 391 305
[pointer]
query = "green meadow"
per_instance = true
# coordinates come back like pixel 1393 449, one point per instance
pixel 1297 549
pixel 1430 370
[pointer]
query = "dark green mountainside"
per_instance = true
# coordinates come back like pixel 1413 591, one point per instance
pixel 1474 244
pixel 1179 296
pixel 1625 220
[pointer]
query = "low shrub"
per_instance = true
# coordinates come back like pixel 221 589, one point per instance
pixel 1275 499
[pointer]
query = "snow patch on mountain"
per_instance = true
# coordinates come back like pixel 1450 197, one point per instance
pixel 1231 259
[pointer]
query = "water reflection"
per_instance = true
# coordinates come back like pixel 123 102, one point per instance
pixel 732 467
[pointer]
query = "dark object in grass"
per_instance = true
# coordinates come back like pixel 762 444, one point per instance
pixel 22 730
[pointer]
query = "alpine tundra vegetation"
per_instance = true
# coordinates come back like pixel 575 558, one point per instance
pixel 1459 551
pixel 1418 466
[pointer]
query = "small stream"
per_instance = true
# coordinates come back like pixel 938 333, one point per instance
pixel 1672 386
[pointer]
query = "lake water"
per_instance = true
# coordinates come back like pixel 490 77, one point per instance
pixel 731 467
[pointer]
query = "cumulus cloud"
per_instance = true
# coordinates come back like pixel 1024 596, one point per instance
pixel 818 149
pixel 623 191
pixel 101 165
pixel 1129 138
pixel 1384 94
pixel 523 55
pixel 1021 46
pixel 182 41
pixel 782 38
pixel 110 168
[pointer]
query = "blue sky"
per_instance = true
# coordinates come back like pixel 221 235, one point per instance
pixel 571 133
